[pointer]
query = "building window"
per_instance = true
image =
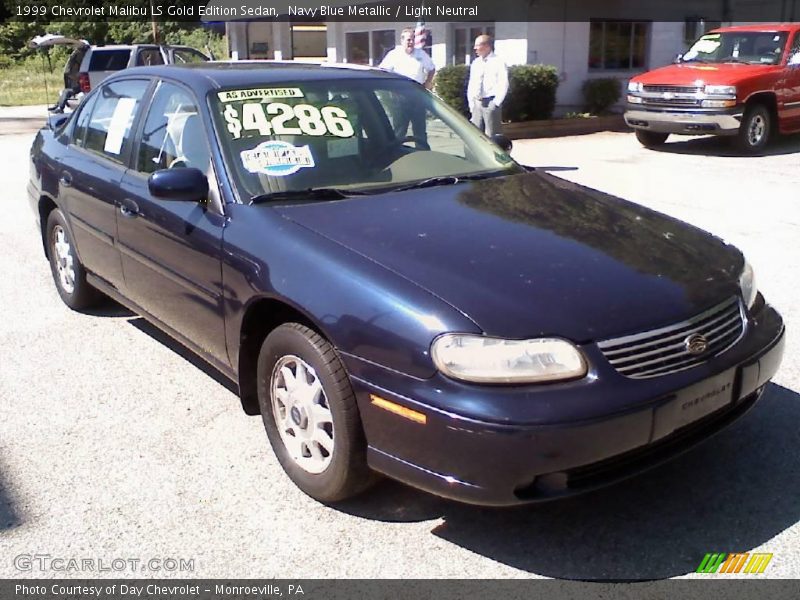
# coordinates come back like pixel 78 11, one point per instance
pixel 463 38
pixel 618 45
pixel 309 40
pixel 368 47
pixel 357 47
pixel 382 43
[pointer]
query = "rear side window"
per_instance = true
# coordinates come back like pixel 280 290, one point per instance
pixel 85 111
pixel 149 57
pixel 109 60
pixel 109 129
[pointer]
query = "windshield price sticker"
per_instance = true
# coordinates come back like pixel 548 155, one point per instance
pixel 274 118
pixel 259 94
pixel 277 158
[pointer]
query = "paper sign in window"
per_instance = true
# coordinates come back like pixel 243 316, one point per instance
pixel 120 121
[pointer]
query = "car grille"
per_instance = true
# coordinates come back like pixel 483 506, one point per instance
pixel 682 102
pixel 665 350
pixel 672 89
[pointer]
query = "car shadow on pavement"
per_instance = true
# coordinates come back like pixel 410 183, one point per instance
pixel 722 146
pixel 9 517
pixel 730 494
pixel 109 308
pixel 154 332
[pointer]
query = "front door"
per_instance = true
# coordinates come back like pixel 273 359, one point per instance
pixel 171 250
pixel 789 94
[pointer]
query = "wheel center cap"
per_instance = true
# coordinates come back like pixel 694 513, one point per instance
pixel 299 417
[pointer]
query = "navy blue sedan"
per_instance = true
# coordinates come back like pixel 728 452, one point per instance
pixel 390 290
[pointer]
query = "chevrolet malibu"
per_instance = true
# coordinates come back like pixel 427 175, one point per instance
pixel 390 290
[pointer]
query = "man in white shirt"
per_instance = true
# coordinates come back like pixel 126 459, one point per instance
pixel 415 64
pixel 488 86
pixel 412 62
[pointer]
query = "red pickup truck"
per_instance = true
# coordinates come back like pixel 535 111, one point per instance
pixel 739 81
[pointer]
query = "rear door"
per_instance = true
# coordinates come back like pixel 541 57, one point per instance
pixel 91 171
pixel 171 250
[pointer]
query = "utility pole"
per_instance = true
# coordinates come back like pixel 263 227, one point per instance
pixel 153 23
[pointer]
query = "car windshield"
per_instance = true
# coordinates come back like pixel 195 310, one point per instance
pixel 350 135
pixel 753 47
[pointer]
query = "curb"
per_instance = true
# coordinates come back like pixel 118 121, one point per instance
pixel 564 127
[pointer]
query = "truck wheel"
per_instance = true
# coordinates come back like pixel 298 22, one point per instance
pixel 310 414
pixel 651 139
pixel 68 272
pixel 755 128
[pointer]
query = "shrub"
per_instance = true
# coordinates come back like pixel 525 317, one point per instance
pixel 601 94
pixel 451 86
pixel 532 92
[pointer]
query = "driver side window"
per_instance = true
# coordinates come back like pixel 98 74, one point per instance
pixel 173 134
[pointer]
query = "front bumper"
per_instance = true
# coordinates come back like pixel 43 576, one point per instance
pixel 503 463
pixel 688 122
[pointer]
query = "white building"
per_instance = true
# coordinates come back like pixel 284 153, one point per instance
pixel 579 50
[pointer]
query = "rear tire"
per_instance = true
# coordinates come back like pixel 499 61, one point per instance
pixel 310 414
pixel 754 132
pixel 651 139
pixel 68 272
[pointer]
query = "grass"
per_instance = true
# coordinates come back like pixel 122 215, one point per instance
pixel 24 84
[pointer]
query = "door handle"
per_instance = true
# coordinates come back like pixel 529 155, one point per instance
pixel 66 178
pixel 128 208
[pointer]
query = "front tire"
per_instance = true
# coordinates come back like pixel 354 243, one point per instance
pixel 651 139
pixel 754 132
pixel 68 272
pixel 310 414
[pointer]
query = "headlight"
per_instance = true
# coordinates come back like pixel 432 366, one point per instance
pixel 635 100
pixel 747 282
pixel 727 90
pixel 634 86
pixel 492 360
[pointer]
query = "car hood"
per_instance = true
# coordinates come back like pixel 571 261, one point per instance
pixel 532 254
pixel 696 74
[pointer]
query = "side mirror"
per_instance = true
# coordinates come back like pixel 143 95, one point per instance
pixel 502 141
pixel 56 121
pixel 183 183
pixel 678 58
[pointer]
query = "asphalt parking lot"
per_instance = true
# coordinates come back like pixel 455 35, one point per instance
pixel 115 443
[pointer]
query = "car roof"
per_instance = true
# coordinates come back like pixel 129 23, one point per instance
pixel 766 27
pixel 122 47
pixel 224 74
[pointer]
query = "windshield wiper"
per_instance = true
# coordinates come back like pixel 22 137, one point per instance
pixel 445 180
pixel 321 193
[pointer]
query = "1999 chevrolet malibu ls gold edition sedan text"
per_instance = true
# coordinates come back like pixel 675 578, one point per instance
pixel 390 289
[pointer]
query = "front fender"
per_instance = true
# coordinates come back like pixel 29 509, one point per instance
pixel 366 311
